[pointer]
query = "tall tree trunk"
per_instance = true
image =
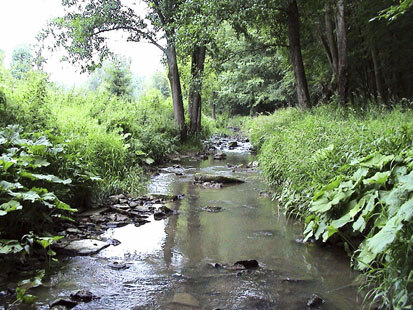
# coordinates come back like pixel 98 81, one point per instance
pixel 174 80
pixel 332 45
pixel 342 77
pixel 296 57
pixel 381 90
pixel 194 98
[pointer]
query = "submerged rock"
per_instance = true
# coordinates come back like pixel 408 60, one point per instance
pixel 220 156
pixel 200 177
pixel 67 303
pixel 247 264
pixel 81 247
pixel 118 266
pixel 213 209
pixel 315 301
pixel 185 299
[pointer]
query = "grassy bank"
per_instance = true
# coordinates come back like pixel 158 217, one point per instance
pixel 348 173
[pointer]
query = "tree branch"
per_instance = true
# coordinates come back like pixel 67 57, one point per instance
pixel 142 33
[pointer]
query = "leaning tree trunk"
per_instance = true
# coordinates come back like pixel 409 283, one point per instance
pixel 176 90
pixel 296 57
pixel 342 77
pixel 381 89
pixel 328 18
pixel 194 98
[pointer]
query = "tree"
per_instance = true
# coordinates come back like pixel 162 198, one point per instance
pixel 82 32
pixel 22 60
pixel 119 77
pixel 282 20
pixel 114 76
pixel 303 95
pixel 159 81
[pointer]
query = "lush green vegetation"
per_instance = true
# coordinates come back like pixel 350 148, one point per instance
pixel 62 149
pixel 348 173
pixel 340 155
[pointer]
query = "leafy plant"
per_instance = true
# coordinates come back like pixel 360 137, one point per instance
pixel 28 204
pixel 374 204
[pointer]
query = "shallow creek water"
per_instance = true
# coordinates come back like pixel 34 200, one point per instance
pixel 169 257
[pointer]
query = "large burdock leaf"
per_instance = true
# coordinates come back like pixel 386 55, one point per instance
pixel 379 178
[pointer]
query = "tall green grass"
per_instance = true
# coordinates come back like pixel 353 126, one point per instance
pixel 103 134
pixel 311 158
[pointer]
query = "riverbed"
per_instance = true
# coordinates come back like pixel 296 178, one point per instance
pixel 178 262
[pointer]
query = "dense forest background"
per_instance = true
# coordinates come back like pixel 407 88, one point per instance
pixel 337 76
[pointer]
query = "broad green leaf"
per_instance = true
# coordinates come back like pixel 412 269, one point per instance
pixel 346 218
pixel 10 247
pixel 32 282
pixel 27 196
pixel 407 182
pixel 63 206
pixel 7 186
pixel 320 229
pixel 405 212
pixel 377 161
pixel 47 241
pixel 44 177
pixel 149 161
pixel 10 206
pixel 359 175
pixel 379 178
pixel 380 241
pixel 333 185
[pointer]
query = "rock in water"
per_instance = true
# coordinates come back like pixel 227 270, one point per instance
pixel 220 156
pixel 213 209
pixel 185 299
pixel 248 264
pixel 315 301
pixel 200 177
pixel 82 247
pixel 83 296
pixel 67 303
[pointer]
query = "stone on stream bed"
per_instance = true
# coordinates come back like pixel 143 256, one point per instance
pixel 200 177
pixel 83 296
pixel 220 156
pixel 315 301
pixel 63 303
pixel 80 247
pixel 185 299
pixel 213 209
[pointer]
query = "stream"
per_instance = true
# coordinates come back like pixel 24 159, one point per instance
pixel 171 263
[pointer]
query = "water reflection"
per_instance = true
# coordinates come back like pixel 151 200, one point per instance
pixel 172 256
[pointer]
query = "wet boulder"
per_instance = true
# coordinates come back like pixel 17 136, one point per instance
pixel 247 264
pixel 82 247
pixel 220 156
pixel 185 299
pixel 212 209
pixel 82 296
pixel 232 144
pixel 200 177
pixel 315 301
pixel 63 303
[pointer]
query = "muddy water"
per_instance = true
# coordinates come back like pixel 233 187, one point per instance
pixel 169 260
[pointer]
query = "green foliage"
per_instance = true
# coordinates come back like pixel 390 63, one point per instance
pixel 105 135
pixel 374 204
pixel 22 60
pixel 349 173
pixel 28 203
